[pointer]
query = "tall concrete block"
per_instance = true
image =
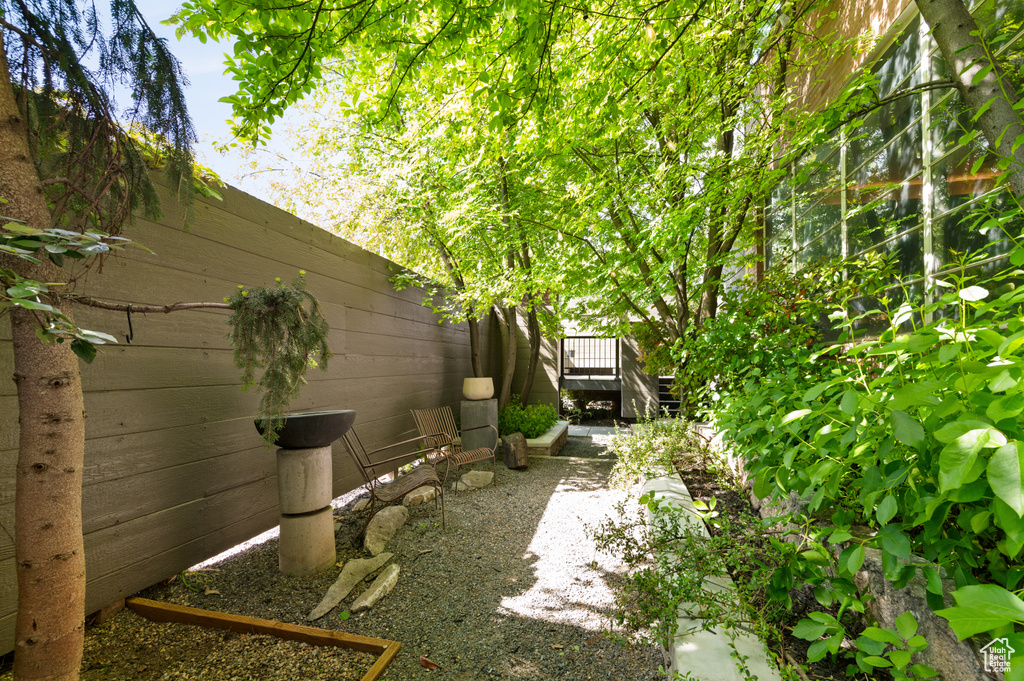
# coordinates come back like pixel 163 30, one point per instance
pixel 478 413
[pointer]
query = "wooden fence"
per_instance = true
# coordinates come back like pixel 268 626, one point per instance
pixel 174 471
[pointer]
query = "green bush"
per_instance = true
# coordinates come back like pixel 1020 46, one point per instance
pixel 652 447
pixel 533 420
pixel 914 432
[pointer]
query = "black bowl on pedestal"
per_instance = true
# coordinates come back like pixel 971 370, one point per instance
pixel 312 429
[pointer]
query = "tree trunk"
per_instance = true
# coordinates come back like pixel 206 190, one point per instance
pixel 533 329
pixel 507 318
pixel 961 44
pixel 474 346
pixel 49 551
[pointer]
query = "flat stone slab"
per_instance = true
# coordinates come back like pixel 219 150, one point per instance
pixel 355 571
pixel 474 480
pixel 380 588
pixel 383 527
pixel 419 496
pixel 590 431
pixel 551 442
pixel 707 655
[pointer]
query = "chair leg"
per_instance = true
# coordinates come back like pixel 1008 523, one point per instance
pixel 373 512
pixel 440 493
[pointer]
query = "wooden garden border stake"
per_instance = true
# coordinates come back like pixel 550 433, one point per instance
pixel 169 612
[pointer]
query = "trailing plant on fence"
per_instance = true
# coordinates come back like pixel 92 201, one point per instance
pixel 532 421
pixel 281 330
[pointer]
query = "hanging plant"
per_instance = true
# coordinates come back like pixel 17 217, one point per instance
pixel 280 330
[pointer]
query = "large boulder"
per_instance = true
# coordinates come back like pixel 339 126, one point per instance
pixel 954 659
pixel 383 527
pixel 474 480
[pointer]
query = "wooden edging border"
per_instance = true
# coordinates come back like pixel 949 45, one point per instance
pixel 168 612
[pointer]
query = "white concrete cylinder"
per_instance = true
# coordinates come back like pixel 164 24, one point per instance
pixel 304 478
pixel 307 542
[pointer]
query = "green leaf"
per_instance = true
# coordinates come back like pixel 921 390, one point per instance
pixel 933 583
pixel 957 458
pixel 883 635
pixel 900 658
pixel 876 661
pixel 948 352
pixel 1006 475
pixel 1005 407
pixel 809 630
pixel 895 541
pixel 795 416
pixel 817 650
pixel 906 429
pixel 886 510
pixel 85 350
pixel 849 402
pixel 982 607
pixel 856 559
pixel 1003 381
pixel 906 625
pixel 33 305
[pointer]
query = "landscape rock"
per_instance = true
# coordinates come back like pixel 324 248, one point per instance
pixel 474 480
pixel 360 505
pixel 355 571
pixel 419 496
pixel 380 588
pixel 383 527
pixel 955 659
pixel 516 454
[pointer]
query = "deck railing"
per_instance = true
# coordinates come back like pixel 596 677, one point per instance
pixel 590 356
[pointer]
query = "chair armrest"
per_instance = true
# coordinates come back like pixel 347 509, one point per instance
pixel 497 438
pixel 418 438
pixel 422 453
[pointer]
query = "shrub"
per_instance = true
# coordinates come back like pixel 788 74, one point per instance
pixel 651 447
pixel 533 420
pixel 914 432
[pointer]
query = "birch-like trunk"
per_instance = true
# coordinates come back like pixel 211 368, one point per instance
pixel 980 80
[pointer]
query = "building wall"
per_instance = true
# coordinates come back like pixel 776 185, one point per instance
pixel 639 389
pixel 901 180
pixel 174 470
pixel 866 21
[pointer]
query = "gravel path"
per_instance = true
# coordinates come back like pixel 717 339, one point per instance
pixel 513 589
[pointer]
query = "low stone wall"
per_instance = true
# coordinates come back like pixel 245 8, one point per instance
pixel 551 442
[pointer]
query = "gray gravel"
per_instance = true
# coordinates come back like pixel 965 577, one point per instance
pixel 513 589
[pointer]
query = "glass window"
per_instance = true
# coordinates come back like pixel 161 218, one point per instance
pixel 817 197
pixel 779 225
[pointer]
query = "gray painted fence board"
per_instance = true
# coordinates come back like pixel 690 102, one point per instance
pixel 174 472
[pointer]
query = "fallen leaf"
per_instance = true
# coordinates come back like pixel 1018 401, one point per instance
pixel 428 664
pixel 211 592
pixel 557 646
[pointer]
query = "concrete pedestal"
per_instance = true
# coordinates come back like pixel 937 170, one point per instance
pixel 478 413
pixel 304 488
pixel 307 542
